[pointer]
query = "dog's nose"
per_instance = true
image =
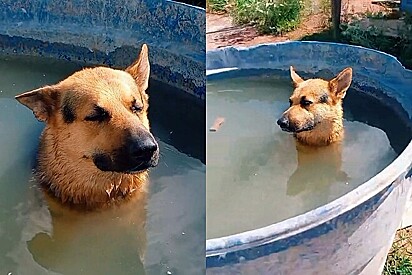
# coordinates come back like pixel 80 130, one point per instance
pixel 143 149
pixel 283 122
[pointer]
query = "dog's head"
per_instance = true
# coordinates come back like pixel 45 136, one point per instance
pixel 315 102
pixel 99 115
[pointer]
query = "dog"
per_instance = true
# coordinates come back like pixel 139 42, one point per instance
pixel 315 117
pixel 96 147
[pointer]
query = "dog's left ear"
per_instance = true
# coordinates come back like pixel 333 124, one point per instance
pixel 140 69
pixel 340 84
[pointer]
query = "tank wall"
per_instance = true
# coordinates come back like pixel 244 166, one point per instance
pixel 371 69
pixel 357 240
pixel 111 33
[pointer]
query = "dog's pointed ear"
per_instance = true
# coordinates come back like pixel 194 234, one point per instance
pixel 140 69
pixel 340 84
pixel 295 77
pixel 42 101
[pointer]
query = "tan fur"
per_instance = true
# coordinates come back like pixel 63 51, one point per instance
pixel 64 159
pixel 316 125
pixel 331 129
pixel 327 117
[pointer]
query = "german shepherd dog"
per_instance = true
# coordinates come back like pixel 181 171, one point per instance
pixel 315 117
pixel 97 146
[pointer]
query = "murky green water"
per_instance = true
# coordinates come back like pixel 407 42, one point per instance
pixel 160 232
pixel 253 175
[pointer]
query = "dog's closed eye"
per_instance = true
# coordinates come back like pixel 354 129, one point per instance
pixel 304 102
pixel 99 114
pixel 136 107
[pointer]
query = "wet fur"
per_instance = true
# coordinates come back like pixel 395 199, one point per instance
pixel 320 122
pixel 69 142
pixel 318 130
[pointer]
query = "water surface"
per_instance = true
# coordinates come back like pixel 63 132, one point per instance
pixel 253 175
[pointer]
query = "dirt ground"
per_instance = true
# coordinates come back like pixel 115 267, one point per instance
pixel 221 32
pixel 403 241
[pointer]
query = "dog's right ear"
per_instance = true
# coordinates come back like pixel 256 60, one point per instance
pixel 295 77
pixel 42 101
pixel 140 69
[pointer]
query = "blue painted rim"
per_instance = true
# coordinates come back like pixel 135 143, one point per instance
pixel 218 248
pixel 101 34
pixel 187 5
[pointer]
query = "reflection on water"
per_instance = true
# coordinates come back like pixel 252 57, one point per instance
pixel 255 175
pixel 149 235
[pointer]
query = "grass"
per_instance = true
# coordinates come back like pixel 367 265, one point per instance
pixel 397 264
pixel 269 16
pixel 399 258
pixel 374 38
pixel 217 5
pixel 326 7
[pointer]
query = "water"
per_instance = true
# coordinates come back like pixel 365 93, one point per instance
pixel 253 175
pixel 159 232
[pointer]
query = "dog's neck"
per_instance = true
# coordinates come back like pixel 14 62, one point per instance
pixel 81 182
pixel 326 132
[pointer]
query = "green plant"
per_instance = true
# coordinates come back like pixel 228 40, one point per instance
pixel 326 7
pixel 399 46
pixel 399 261
pixel 397 264
pixel 269 16
pixel 373 37
pixel 375 15
pixel 217 5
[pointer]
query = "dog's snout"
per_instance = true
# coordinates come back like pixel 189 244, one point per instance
pixel 143 149
pixel 283 122
pixel 139 153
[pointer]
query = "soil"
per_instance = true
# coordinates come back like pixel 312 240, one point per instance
pixel 221 32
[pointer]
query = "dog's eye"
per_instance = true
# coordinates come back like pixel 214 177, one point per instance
pixel 305 102
pixel 323 98
pixel 99 114
pixel 136 108
pixel 290 102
